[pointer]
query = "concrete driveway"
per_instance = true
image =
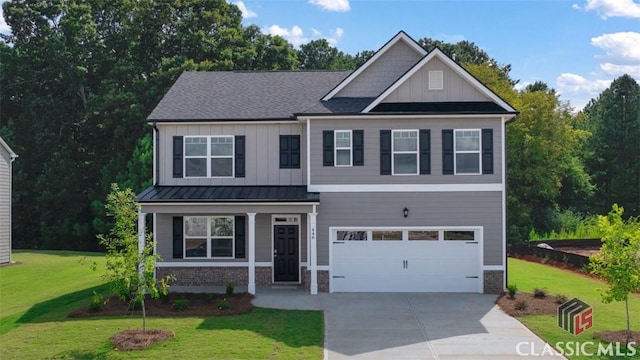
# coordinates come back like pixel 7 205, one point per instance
pixel 413 326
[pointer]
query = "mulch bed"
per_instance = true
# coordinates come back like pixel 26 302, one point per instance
pixel 200 304
pixel 547 305
pixel 137 339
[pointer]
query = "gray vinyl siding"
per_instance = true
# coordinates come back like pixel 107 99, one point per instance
pixel 264 238
pixel 425 209
pixel 370 172
pixel 382 73
pixel 5 206
pixel 262 153
pixel 416 88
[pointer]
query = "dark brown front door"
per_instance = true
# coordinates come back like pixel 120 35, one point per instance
pixel 285 253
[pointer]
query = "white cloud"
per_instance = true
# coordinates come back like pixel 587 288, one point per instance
pixel 246 12
pixel 4 28
pixel 332 5
pixel 295 35
pixel 620 47
pixel 578 89
pixel 618 70
pixel 612 8
pixel 522 85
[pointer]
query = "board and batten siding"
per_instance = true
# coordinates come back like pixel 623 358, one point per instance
pixel 262 156
pixel 416 88
pixel 264 238
pixel 382 73
pixel 370 172
pixel 425 209
pixel 5 206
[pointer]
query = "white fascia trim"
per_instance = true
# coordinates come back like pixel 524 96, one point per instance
pixel 308 155
pixel 224 122
pixel 383 116
pixel 12 155
pixel 229 204
pixel 209 264
pixel 400 36
pixel 455 67
pixel 407 188
pixel 493 267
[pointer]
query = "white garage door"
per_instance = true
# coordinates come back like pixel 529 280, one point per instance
pixel 409 260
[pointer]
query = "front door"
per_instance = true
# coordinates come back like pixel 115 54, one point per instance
pixel 285 253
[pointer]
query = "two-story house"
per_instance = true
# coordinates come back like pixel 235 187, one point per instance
pixel 7 156
pixel 387 178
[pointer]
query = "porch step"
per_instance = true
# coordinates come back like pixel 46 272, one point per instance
pixel 285 286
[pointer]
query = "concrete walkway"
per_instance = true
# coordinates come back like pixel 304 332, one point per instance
pixel 412 325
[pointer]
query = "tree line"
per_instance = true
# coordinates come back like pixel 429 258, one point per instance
pixel 78 79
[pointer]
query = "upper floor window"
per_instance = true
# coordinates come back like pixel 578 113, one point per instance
pixel 405 152
pixel 208 156
pixel 343 147
pixel 467 151
pixel 289 151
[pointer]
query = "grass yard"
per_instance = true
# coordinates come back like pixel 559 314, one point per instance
pixel 37 295
pixel 528 275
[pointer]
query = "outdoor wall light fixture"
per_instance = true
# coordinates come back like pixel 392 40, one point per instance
pixel 405 211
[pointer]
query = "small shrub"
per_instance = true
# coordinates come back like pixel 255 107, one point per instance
pixel 561 299
pixel 521 305
pixel 230 288
pixel 180 304
pixel 512 289
pixel 539 293
pixel 96 302
pixel 223 304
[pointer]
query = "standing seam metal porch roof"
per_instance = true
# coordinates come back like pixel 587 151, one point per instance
pixel 227 194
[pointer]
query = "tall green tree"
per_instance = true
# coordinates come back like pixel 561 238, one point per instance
pixel 320 55
pixel 614 149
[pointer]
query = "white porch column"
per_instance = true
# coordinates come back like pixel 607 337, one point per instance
pixel 142 217
pixel 313 253
pixel 252 253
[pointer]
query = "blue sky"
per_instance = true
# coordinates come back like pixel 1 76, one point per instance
pixel 576 46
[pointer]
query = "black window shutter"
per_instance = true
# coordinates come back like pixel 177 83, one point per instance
pixel 327 148
pixel 177 157
pixel 294 157
pixel 240 156
pixel 241 235
pixel 385 152
pixel 447 152
pixel 285 152
pixel 487 151
pixel 177 237
pixel 358 147
pixel 425 152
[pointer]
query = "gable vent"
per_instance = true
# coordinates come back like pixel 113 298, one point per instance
pixel 436 80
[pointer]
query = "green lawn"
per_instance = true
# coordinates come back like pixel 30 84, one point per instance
pixel 36 296
pixel 528 275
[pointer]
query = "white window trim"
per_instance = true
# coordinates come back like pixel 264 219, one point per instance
pixel 209 157
pixel 456 152
pixel 336 147
pixel 431 76
pixel 405 233
pixel 209 237
pixel 394 152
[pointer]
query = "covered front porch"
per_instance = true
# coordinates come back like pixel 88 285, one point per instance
pixel 249 235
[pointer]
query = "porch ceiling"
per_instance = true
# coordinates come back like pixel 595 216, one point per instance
pixel 227 194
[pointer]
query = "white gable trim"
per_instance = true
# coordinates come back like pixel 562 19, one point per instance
pixel 452 65
pixel 4 145
pixel 401 36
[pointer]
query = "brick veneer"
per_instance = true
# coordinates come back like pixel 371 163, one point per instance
pixel 215 276
pixel 493 282
pixel 323 280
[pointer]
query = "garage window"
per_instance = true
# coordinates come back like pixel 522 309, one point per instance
pixel 423 235
pixel 382 235
pixel 459 235
pixel 352 235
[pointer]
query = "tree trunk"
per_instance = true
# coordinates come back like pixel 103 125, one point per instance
pixel 626 304
pixel 144 317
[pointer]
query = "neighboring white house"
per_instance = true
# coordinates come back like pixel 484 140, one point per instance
pixel 6 159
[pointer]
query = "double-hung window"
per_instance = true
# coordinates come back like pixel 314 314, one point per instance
pixel 404 149
pixel 343 147
pixel 208 237
pixel 467 151
pixel 208 156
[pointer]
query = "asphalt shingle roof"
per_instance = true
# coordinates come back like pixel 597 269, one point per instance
pixel 227 194
pixel 247 95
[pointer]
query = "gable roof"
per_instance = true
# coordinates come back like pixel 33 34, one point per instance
pixel 453 66
pixel 6 147
pixel 400 36
pixel 244 95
